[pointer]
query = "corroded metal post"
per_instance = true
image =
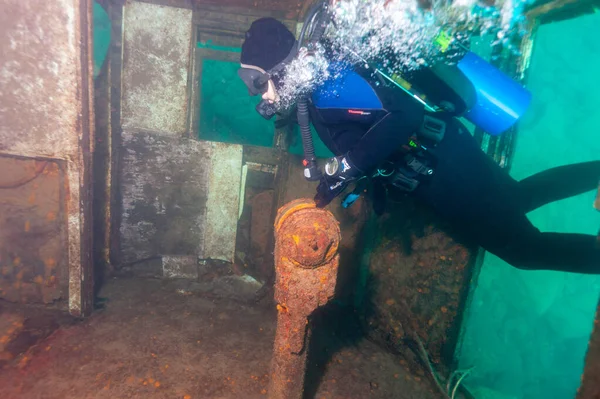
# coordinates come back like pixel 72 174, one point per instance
pixel 306 264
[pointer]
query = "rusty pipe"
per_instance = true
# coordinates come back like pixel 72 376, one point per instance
pixel 306 265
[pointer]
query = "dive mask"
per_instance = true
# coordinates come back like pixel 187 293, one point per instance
pixel 257 82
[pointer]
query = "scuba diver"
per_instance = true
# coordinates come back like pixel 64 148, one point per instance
pixel 433 158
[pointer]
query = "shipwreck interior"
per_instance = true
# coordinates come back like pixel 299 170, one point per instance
pixel 143 206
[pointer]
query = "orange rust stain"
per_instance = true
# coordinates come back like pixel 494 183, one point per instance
pixel 20 275
pixel 157 384
pixel 17 261
pixel 390 302
pixel 50 216
pixel 27 226
pixel 31 198
pixel 23 362
pixel 38 279
pixel 444 309
pixel 291 211
pixel 282 308
pixel 296 239
pixel 51 170
pixel 50 264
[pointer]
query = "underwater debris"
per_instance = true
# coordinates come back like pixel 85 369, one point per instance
pixel 306 264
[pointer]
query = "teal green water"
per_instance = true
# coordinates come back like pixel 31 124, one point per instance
pixel 526 332
pixel 101 37
pixel 227 112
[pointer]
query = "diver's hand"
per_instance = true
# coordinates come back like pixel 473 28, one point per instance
pixel 329 188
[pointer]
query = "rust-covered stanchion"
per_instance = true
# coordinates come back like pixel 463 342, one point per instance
pixel 306 264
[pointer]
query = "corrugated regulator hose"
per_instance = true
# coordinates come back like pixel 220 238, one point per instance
pixel 311 168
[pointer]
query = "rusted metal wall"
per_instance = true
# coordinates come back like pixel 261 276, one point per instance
pixel 157 44
pixel 164 184
pixel 33 258
pixel 180 197
pixel 289 9
pixel 223 202
pixel 233 22
pixel 45 112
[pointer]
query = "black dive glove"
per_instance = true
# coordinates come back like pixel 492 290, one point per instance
pixel 339 173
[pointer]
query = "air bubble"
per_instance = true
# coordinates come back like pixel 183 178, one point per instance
pixel 400 39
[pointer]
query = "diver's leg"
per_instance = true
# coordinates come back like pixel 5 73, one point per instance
pixel 575 253
pixel 559 183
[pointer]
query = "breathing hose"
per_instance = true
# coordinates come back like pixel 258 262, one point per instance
pixel 318 26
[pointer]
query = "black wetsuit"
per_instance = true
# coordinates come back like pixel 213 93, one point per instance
pixel 468 188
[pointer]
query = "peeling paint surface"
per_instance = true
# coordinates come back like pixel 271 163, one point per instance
pixel 45 97
pixel 39 72
pixel 156 60
pixel 180 267
pixel 33 260
pixel 180 197
pixel 222 206
pixel 164 184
